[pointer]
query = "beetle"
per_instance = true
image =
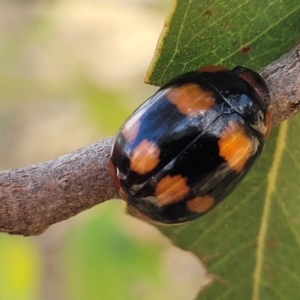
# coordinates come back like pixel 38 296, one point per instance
pixel 186 148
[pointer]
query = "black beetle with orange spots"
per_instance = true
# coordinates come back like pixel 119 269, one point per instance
pixel 187 147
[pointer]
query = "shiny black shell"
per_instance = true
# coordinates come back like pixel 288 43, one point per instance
pixel 188 146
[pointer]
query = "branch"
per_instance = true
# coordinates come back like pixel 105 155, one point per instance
pixel 35 197
pixel 283 79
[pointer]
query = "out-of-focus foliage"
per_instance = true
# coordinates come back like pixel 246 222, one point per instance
pixel 70 73
pixel 20 269
pixel 104 260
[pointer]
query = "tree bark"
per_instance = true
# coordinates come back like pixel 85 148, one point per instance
pixel 283 79
pixel 35 197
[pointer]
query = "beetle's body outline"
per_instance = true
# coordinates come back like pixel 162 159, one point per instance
pixel 186 148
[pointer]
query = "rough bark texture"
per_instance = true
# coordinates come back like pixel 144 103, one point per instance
pixel 283 79
pixel 33 198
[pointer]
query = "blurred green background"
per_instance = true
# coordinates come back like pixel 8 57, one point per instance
pixel 71 71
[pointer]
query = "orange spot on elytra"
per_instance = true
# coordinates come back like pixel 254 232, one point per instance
pixel 171 189
pixel 190 99
pixel 144 157
pixel 235 146
pixel 200 204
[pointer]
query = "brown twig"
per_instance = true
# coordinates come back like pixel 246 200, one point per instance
pixel 35 197
pixel 283 79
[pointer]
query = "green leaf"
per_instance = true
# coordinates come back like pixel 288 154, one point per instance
pixel 233 32
pixel 250 244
